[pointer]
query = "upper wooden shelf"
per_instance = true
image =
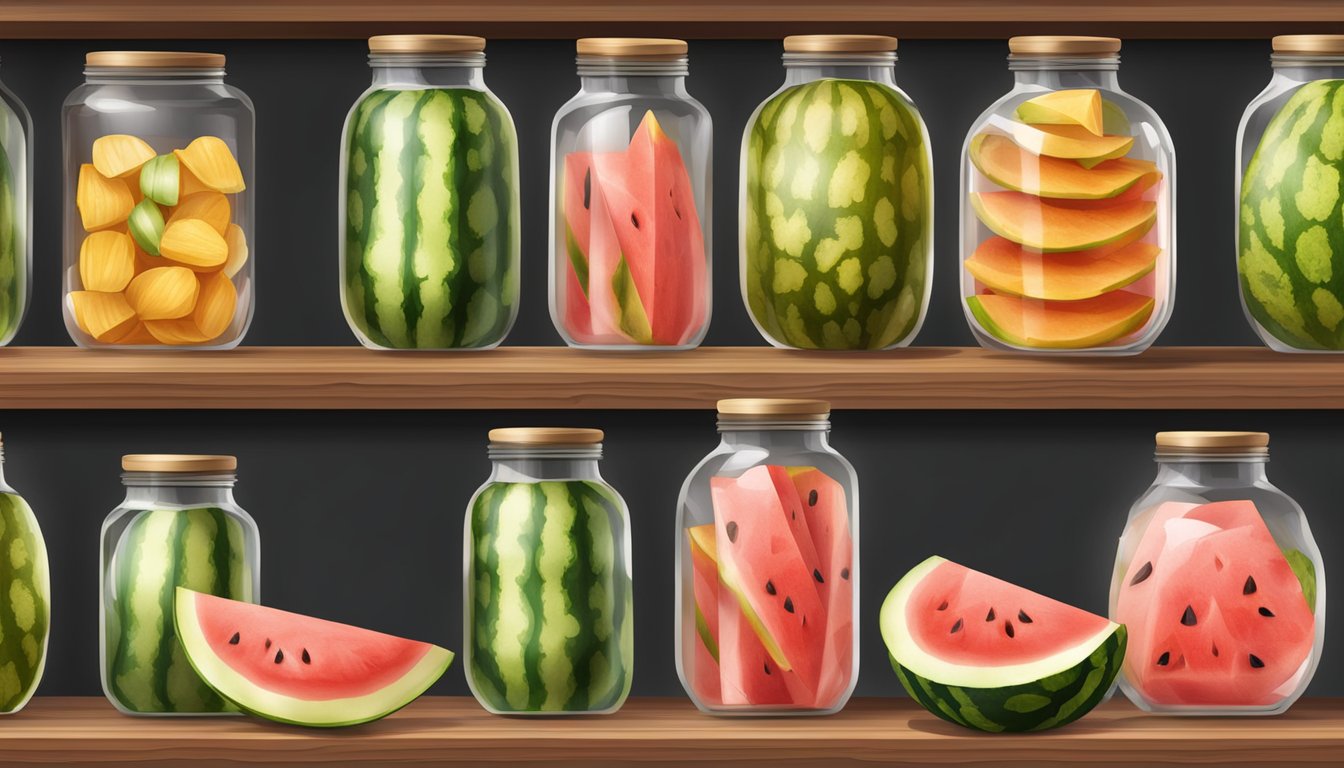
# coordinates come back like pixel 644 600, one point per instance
pixel 560 378
pixel 667 732
pixel 138 19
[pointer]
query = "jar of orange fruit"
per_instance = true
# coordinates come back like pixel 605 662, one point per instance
pixel 158 215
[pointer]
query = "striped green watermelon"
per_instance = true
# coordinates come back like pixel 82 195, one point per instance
pixel 430 220
pixel 838 215
pixel 549 623
pixel 25 618
pixel 1291 233
pixel 145 670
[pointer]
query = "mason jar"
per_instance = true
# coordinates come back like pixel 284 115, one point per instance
pixel 16 213
pixel 836 209
pixel 1219 582
pixel 159 212
pixel 25 581
pixel 768 565
pixel 1290 229
pixel 1068 212
pixel 178 526
pixel 630 201
pixel 547 598
pixel 428 222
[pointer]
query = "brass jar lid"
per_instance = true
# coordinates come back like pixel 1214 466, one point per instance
pixel 839 44
pixel 1308 44
pixel 426 44
pixel 1063 45
pixel 544 436
pixel 1212 443
pixel 639 48
pixel 154 60
pixel 751 407
pixel 177 462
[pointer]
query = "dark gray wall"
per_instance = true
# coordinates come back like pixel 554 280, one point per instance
pixel 361 512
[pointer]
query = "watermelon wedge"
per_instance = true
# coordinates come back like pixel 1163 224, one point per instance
pixel 298 669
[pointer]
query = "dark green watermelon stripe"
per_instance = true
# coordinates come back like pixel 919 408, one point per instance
pixel 532 590
pixel 612 577
pixel 412 175
pixel 168 637
pixel 579 581
pixel 371 140
pixel 485 619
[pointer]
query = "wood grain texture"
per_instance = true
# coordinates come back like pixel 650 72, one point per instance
pixel 957 378
pixel 668 732
pixel 690 18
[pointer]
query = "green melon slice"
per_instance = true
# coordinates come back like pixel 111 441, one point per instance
pixel 1039 225
pixel 1039 324
pixel 1068 142
pixel 1011 167
pixel 1007 268
pixel 1073 106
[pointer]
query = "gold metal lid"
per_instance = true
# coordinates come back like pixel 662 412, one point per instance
pixel 426 44
pixel 545 436
pixel 1212 443
pixel 154 60
pixel 839 44
pixel 641 48
pixel 1063 45
pixel 1308 44
pixel 177 462
pixel 766 406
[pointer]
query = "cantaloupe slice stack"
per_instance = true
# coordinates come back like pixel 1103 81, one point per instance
pixel 162 254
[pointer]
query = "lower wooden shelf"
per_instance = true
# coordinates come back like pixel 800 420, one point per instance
pixel 440 730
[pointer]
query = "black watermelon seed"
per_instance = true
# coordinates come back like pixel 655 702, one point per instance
pixel 1215 650
pixel 1164 659
pixel 804 620
pixel 1249 589
pixel 767 668
pixel 634 219
pixel 816 574
pixel 989 616
pixel 306 658
pixel 587 189
pixel 1142 575
pixel 943 606
pixel 1008 628
pixel 1266 612
pixel 234 640
pixel 770 587
pixel 812 499
pixel 956 627
pixel 844 574
pixel 268 643
pixel 788 604
pixel 1188 618
pixel 279 656
pixel 1023 617
pixel 732 531
pixel 1256 663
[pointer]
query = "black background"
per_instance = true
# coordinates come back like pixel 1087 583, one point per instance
pixel 361 512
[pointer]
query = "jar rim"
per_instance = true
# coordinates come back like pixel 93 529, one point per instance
pixel 632 48
pixel 840 44
pixel 1072 46
pixel 192 60
pixel 758 407
pixel 1196 444
pixel 186 463
pixel 423 44
pixel 544 437
pixel 1310 45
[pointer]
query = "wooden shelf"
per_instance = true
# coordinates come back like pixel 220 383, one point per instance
pixel 920 378
pixel 76 731
pixel 691 18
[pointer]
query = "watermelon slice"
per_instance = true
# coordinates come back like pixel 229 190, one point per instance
pixel 827 513
pixel 705 575
pixel 985 654
pixel 577 193
pixel 298 669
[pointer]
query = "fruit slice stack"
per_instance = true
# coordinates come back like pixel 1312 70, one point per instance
pixel 1069 215
pixel 162 252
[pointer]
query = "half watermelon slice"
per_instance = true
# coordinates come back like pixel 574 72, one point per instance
pixel 301 670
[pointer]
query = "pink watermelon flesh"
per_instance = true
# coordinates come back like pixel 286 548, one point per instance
pixel 827 513
pixel 967 617
pixel 750 676
pixel 705 578
pixel 1195 598
pixel 577 192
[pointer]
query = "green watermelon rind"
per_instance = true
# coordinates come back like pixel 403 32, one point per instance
pixel 1305 571
pixel 25 583
pixel 257 700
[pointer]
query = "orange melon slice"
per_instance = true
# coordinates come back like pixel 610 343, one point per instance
pixel 1041 226
pixel 1009 166
pixel 1074 106
pixel 1067 142
pixel 1007 268
pixel 1036 324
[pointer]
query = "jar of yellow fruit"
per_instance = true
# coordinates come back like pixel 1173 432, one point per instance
pixel 158 214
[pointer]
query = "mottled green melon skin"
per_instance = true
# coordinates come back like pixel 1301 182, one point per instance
pixel 838 208
pixel 1291 229
pixel 1046 703
pixel 431 238
pixel 25 615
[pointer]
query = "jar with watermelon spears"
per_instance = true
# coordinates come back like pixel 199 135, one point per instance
pixel 547 596
pixel 630 201
pixel 428 220
pixel 159 203
pixel 1219 582
pixel 1068 215
pixel 768 565
pixel 836 217
pixel 1290 211
pixel 178 526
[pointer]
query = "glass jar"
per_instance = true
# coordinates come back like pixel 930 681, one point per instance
pixel 16 213
pixel 630 201
pixel 25 581
pixel 836 209
pixel 768 566
pixel 1219 582
pixel 1068 216
pixel 429 235
pixel 1290 232
pixel 177 527
pixel 158 213
pixel 547 599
